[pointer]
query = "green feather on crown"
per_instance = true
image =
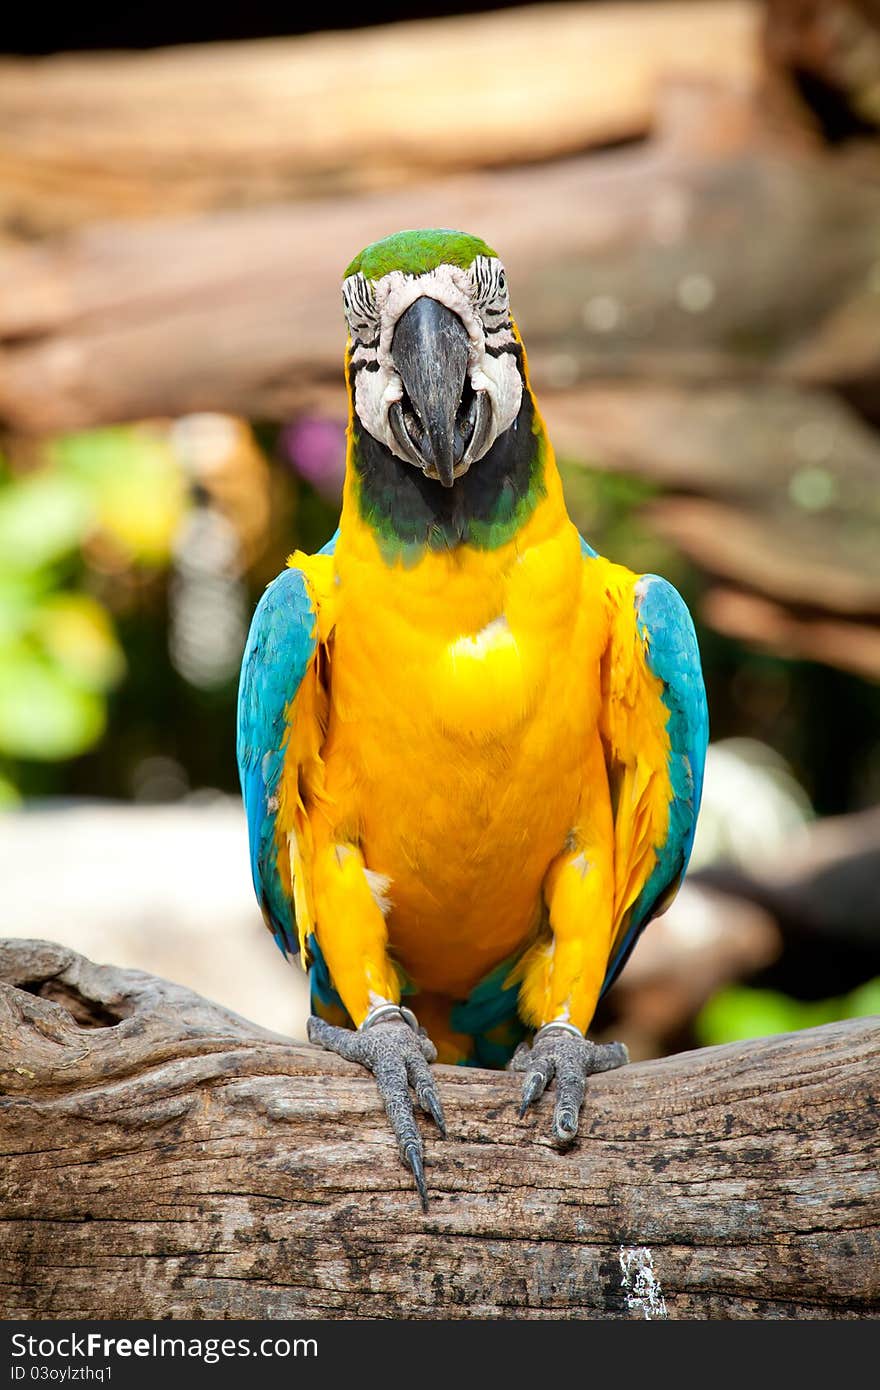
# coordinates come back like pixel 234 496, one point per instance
pixel 417 252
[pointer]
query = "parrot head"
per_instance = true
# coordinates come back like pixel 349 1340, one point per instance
pixel 435 364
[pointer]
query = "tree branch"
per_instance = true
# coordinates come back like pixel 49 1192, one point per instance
pixel 163 1157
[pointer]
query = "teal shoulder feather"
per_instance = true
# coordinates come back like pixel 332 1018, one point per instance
pixel 665 625
pixel 280 646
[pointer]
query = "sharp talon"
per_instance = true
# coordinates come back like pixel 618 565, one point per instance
pixel 533 1088
pixel 399 1059
pixel 431 1103
pixel 414 1159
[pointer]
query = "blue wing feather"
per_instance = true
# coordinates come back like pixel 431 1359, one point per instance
pixel 587 550
pixel 280 646
pixel 664 622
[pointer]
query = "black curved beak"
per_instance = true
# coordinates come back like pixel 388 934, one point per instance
pixel 434 425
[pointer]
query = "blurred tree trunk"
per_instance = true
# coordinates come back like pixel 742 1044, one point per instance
pixel 90 136
pixel 621 264
pixel 700 305
pixel 653 349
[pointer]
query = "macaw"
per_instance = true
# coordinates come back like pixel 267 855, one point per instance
pixel 471 748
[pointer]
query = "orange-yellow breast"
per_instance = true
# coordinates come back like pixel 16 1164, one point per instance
pixel 463 692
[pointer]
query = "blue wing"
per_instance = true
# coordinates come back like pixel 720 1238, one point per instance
pixel 280 647
pixel 665 627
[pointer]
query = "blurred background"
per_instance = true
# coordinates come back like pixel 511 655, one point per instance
pixel 687 198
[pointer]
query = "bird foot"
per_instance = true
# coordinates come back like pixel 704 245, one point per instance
pixel 391 1045
pixel 558 1049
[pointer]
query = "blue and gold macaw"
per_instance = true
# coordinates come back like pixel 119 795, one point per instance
pixel 471 748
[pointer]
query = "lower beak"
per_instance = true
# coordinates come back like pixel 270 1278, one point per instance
pixel 434 424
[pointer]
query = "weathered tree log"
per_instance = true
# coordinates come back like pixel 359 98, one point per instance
pixel 91 136
pixel 163 1157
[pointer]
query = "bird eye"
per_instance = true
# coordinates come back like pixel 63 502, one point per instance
pixel 490 284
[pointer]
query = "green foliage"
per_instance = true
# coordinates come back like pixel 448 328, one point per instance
pixel 43 517
pixel 120 489
pixel 43 714
pixel 738 1013
pixel 9 794
pixel 134 484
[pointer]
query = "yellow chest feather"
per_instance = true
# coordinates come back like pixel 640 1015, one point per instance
pixel 456 733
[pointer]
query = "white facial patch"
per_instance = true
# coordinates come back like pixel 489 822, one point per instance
pixel 477 295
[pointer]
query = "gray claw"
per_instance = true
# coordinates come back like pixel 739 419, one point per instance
pixel 535 1085
pixel 430 1102
pixel 565 1122
pixel 413 1157
pixel 398 1057
pixel 571 1059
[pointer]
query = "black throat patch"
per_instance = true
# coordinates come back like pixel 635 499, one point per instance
pixel 485 508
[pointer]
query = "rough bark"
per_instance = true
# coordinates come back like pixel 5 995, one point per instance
pixel 163 1157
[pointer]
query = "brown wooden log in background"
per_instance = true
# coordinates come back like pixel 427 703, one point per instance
pixel 162 1157
pixel 238 312
pixel 692 303
pixel 621 266
pixel 90 136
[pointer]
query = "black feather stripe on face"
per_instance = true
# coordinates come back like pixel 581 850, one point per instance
pixel 490 287
pixel 358 303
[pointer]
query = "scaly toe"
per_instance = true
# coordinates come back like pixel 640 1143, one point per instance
pixel 398 1055
pixel 565 1123
pixel 560 1052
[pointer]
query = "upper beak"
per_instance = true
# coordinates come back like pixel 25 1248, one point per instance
pixel 436 422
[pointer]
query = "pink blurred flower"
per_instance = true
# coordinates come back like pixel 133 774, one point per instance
pixel 315 446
